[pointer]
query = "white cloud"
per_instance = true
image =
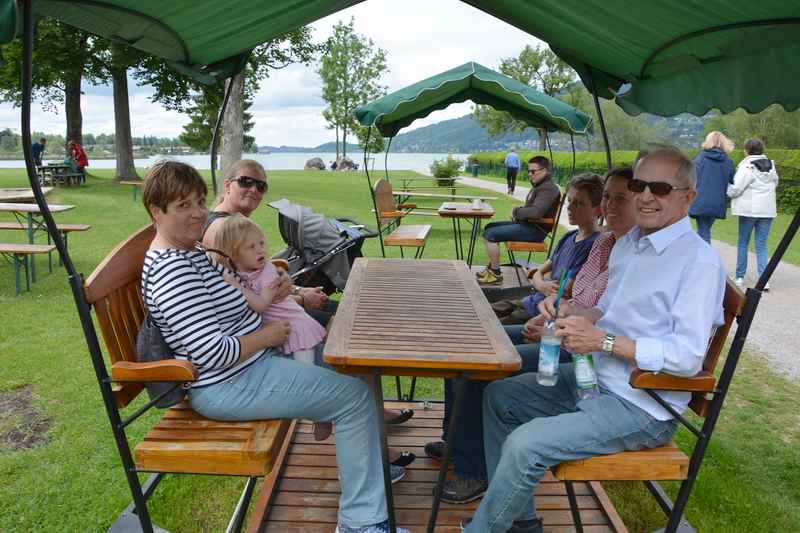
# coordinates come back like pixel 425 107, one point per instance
pixel 421 38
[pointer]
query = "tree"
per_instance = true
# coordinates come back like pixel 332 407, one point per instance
pixel 350 69
pixel 63 57
pixel 179 92
pixel 776 127
pixel 538 67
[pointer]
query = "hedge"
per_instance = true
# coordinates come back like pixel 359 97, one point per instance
pixel 787 163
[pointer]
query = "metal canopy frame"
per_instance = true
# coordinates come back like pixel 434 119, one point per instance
pixel 75 281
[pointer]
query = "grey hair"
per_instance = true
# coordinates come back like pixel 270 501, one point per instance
pixel 687 173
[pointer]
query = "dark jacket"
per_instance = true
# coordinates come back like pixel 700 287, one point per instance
pixel 714 174
pixel 542 201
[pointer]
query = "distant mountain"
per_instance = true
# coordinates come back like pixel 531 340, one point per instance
pixel 329 147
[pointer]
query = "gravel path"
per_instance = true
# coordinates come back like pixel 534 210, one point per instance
pixel 772 333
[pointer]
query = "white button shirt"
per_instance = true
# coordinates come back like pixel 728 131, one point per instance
pixel 665 292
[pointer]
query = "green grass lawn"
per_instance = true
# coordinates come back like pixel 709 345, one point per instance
pixel 74 481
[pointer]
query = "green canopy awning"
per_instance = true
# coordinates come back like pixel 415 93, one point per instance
pixel 677 56
pixel 471 81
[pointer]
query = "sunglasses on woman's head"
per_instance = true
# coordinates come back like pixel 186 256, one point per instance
pixel 247 182
pixel 658 188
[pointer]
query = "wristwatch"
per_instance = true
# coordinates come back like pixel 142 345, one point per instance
pixel 295 290
pixel 608 343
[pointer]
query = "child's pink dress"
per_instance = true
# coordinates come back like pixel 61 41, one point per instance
pixel 305 331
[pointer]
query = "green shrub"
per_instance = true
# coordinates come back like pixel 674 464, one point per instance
pixel 446 170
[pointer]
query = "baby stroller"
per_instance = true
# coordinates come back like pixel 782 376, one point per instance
pixel 320 250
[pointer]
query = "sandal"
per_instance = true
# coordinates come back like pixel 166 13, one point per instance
pixel 404 416
pixel 405 459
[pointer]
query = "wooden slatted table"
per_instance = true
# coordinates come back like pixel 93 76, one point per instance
pixel 417 318
pixel 21 194
pixel 457 211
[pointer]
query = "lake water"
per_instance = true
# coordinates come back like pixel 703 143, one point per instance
pixel 281 161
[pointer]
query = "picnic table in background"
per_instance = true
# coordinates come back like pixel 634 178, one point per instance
pixel 58 174
pixel 135 184
pixel 21 194
pixel 29 216
pixel 415 317
pixel 473 215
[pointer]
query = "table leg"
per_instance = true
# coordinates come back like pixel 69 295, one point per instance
pixel 473 238
pixel 16 272
pixel 458 390
pixel 460 242
pixel 377 391
pixel 30 241
pixel 455 238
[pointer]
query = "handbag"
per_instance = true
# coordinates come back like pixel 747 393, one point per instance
pixel 151 347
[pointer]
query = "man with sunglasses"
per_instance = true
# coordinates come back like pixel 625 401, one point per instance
pixel 663 299
pixel 541 202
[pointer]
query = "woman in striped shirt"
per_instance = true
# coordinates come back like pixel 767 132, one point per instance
pixel 207 321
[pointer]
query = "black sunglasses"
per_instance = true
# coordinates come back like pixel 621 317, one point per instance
pixel 247 182
pixel 658 188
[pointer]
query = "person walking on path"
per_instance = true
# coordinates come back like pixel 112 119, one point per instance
pixel 38 149
pixel 512 168
pixel 753 201
pixel 714 173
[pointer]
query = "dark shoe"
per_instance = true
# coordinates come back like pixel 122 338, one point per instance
pixel 522 526
pixel 322 430
pixel 404 416
pixel 463 489
pixel 405 459
pixel 435 450
pixel 396 473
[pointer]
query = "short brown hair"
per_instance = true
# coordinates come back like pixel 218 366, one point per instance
pixel 687 173
pixel 754 147
pixel 543 162
pixel 625 172
pixel 167 181
pixel 591 184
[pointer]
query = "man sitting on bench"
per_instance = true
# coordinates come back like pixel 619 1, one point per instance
pixel 542 201
pixel 664 297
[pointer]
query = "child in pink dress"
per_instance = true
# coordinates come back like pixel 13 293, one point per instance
pixel 246 246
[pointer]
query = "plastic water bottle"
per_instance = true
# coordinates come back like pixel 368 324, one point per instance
pixel 585 375
pixel 549 352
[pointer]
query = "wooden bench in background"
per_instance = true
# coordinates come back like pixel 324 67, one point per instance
pixel 666 462
pixel 19 254
pixel 64 229
pixel 182 441
pixel 389 215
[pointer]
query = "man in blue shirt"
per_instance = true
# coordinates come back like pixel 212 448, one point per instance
pixel 38 149
pixel 512 168
pixel 664 298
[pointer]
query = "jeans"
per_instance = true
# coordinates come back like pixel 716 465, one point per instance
pixel 278 387
pixel 704 227
pixel 469 459
pixel 513 231
pixel 511 178
pixel 529 428
pixel 746 226
pixel 324 314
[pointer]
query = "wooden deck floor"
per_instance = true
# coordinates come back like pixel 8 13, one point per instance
pixel 303 495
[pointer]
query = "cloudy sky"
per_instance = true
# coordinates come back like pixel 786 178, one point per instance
pixel 421 38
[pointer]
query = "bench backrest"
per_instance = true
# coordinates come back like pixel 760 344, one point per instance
pixel 114 292
pixel 384 201
pixel 732 305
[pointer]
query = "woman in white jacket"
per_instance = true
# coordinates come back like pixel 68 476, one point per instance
pixel 753 194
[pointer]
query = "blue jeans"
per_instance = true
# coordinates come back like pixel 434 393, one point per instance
pixel 513 231
pixel 529 428
pixel 278 387
pixel 704 227
pixel 469 458
pixel 746 227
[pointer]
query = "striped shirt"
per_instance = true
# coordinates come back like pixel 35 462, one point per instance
pixel 199 314
pixel 592 279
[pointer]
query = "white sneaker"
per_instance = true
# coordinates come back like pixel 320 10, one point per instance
pixel 766 287
pixel 739 282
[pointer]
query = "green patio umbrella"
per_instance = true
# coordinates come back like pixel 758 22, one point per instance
pixel 475 82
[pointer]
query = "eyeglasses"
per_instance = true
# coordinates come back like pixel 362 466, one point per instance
pixel 246 182
pixel 658 188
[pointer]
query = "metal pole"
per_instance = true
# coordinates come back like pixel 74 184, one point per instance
pixel 601 121
pixel 372 193
pixel 75 280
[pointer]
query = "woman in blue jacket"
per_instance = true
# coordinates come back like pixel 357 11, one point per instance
pixel 714 173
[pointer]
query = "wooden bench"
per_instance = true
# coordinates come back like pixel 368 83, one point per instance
pixel 389 215
pixel 64 229
pixel 182 441
pixel 135 185
pixel 667 462
pixel 19 254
